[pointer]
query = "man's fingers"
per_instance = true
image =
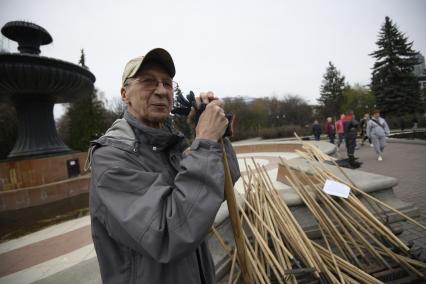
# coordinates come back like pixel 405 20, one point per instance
pixel 190 117
pixel 218 102
pixel 207 97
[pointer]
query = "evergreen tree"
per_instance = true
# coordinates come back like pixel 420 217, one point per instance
pixel 88 121
pixel 85 119
pixel 331 91
pixel 393 83
pixel 82 60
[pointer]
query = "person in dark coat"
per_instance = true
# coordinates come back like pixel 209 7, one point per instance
pixel 402 123
pixel 316 130
pixel 351 130
pixel 330 129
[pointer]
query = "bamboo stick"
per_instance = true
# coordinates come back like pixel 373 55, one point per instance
pixel 411 220
pixel 258 269
pixel 235 220
pixel 319 216
pixel 339 273
pixel 391 254
pixel 297 235
pixel 273 235
pixel 286 213
pixel 378 225
pixel 342 222
pixel 355 188
pixel 237 277
pixel 231 273
pixel 349 268
pixel 264 246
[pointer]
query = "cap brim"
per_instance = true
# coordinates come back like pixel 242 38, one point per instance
pixel 162 57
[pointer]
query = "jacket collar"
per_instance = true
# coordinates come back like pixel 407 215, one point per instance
pixel 126 133
pixel 160 138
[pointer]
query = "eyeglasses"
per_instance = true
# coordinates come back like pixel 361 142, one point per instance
pixel 152 83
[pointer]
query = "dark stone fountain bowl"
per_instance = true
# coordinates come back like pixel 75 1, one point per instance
pixel 29 77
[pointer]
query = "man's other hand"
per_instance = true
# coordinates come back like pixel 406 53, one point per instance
pixel 213 122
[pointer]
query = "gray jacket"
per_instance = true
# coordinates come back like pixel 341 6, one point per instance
pixel 152 205
pixel 374 129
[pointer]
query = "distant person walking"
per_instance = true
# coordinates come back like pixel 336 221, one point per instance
pixel 402 123
pixel 377 130
pixel 415 122
pixel 351 125
pixel 340 130
pixel 364 136
pixel 330 129
pixel 316 130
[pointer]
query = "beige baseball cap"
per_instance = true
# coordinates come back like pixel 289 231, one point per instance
pixel 158 55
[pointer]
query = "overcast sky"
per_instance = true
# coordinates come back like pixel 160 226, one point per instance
pixel 234 48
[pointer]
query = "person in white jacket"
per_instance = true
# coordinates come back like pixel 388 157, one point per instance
pixel 378 130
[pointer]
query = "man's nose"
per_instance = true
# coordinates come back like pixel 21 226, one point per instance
pixel 161 89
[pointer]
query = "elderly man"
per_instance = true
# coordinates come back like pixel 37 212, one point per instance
pixel 153 199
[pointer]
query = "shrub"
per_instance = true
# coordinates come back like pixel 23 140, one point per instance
pixel 395 122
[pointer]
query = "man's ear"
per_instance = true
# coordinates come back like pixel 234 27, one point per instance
pixel 124 96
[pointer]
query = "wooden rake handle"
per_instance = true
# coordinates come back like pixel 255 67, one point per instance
pixel 237 228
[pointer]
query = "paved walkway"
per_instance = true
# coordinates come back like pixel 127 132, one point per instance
pixel 45 256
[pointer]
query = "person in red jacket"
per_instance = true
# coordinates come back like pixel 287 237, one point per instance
pixel 340 130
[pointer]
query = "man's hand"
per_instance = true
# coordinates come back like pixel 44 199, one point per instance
pixel 212 123
pixel 205 98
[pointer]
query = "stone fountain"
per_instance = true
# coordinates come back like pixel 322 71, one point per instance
pixel 40 169
pixel 33 84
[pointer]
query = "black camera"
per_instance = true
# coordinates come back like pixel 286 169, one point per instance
pixel 183 105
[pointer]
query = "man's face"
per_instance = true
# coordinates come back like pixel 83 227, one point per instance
pixel 151 105
pixel 376 115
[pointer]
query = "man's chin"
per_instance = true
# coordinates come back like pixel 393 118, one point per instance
pixel 159 118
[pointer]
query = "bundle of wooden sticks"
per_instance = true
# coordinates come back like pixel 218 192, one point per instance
pixel 355 246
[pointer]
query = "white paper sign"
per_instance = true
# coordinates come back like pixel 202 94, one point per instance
pixel 336 188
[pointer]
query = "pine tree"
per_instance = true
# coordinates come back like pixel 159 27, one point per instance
pixel 84 119
pixel 331 91
pixel 393 82
pixel 82 60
